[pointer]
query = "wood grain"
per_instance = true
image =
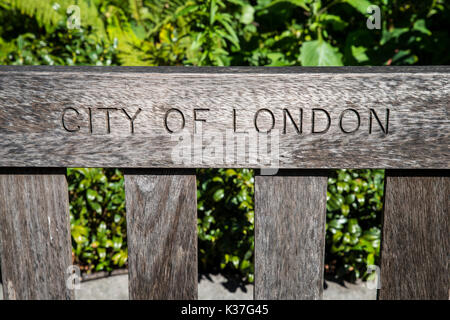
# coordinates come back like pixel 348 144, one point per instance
pixel 132 132
pixel 162 233
pixel 290 212
pixel 35 233
pixel 416 243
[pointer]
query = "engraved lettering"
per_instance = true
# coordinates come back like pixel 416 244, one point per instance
pixel 183 122
pixel 235 122
pixel 286 114
pixel 384 128
pixel 342 118
pixel 108 122
pixel 255 120
pixel 64 122
pixel 132 118
pixel 197 119
pixel 313 117
pixel 264 120
pixel 90 120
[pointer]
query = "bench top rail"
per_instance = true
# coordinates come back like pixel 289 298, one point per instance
pixel 188 117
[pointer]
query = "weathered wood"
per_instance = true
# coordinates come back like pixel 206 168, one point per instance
pixel 162 233
pixel 416 229
pixel 35 233
pixel 349 117
pixel 290 212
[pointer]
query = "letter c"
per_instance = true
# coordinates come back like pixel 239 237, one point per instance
pixel 64 123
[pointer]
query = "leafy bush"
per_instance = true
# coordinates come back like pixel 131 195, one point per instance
pixel 97 218
pixel 226 220
pixel 354 205
pixel 60 47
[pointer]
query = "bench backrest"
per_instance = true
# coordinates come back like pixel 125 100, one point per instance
pixel 161 123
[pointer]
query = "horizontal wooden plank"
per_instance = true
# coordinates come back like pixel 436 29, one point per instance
pixel 297 117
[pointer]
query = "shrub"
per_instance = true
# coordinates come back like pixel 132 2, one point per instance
pixel 61 47
pixel 97 218
pixel 226 220
pixel 354 205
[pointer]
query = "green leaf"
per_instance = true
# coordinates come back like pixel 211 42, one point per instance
pixel 342 186
pixel 395 33
pixel 247 14
pixel 232 36
pixel 360 197
pixel 99 267
pixel 353 227
pixel 420 26
pixel 360 5
pixel 217 179
pixel 335 21
pixel 139 31
pixel 337 223
pixel 117 243
pixel 212 12
pixel 101 253
pixel 359 53
pixel 230 172
pixel 95 206
pixel 370 259
pixel 218 195
pixel 350 198
pixel 91 195
pixel 319 53
pixel 186 10
pixel 345 209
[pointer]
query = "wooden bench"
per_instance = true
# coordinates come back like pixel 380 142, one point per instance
pixel 159 124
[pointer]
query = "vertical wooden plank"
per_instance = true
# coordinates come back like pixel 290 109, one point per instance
pixel 35 232
pixel 290 212
pixel 415 243
pixel 162 233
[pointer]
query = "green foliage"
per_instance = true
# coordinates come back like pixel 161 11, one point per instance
pixel 58 48
pixel 61 46
pixel 97 218
pixel 226 220
pixel 223 33
pixel 49 14
pixel 354 205
pixel 243 32
pixel 319 53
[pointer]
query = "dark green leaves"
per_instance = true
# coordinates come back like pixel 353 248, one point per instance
pixel 353 221
pixel 226 220
pixel 97 218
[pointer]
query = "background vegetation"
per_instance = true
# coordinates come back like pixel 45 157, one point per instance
pixel 223 33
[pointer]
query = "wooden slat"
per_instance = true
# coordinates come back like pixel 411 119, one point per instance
pixel 415 248
pixel 162 233
pixel 349 117
pixel 35 233
pixel 290 212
